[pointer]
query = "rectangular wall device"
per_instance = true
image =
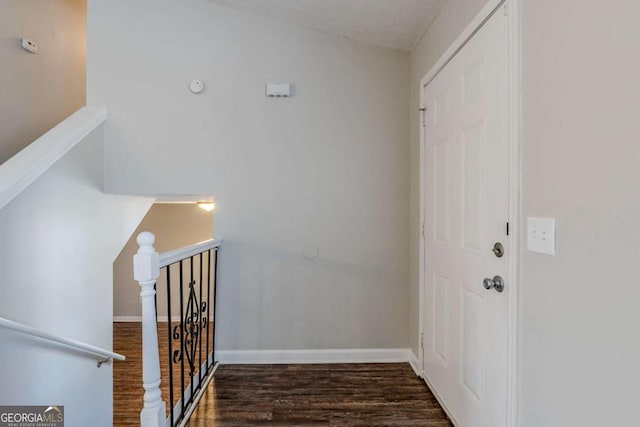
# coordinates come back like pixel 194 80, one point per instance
pixel 278 90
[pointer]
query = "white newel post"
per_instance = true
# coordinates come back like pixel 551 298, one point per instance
pixel 146 271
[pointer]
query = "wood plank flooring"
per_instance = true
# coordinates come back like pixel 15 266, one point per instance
pixel 369 395
pixel 282 395
pixel 127 376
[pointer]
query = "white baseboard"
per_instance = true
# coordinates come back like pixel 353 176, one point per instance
pixel 139 318
pixel 365 355
pixel 415 365
pixel 127 318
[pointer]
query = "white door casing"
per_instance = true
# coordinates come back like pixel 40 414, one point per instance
pixel 466 209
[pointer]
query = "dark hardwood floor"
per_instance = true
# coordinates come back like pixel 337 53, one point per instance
pixel 282 395
pixel 127 376
pixel 369 395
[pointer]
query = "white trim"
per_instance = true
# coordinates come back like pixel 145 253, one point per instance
pixel 24 168
pixel 138 319
pixel 365 355
pixel 127 319
pixel 181 198
pixel 413 361
pixel 461 40
pixel 515 188
pixel 515 207
pixel 422 236
pixel 422 232
pixel 176 255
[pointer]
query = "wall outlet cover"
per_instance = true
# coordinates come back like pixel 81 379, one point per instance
pixel 541 235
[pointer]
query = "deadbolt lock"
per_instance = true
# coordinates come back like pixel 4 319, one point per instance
pixel 498 249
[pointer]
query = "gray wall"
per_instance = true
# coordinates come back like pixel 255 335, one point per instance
pixel 579 309
pixel 327 168
pixel 59 239
pixel 175 226
pixel 39 91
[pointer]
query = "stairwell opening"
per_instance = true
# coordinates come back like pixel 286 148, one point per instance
pixel 175 225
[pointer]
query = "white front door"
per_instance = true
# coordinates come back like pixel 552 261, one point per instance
pixel 466 212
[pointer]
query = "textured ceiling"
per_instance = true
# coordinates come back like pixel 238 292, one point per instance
pixel 396 24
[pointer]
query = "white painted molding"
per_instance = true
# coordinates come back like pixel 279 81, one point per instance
pixel 170 257
pixel 138 319
pixel 485 13
pixel 122 319
pixel 173 199
pixel 515 206
pixel 415 364
pixel 24 168
pixel 146 272
pixel 364 355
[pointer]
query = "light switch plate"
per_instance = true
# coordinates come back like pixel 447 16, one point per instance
pixel 541 235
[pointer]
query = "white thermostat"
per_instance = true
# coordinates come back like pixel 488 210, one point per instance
pixel 278 90
pixel 196 86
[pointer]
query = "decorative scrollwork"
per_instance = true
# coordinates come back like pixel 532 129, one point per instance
pixel 190 339
pixel 177 354
pixel 194 322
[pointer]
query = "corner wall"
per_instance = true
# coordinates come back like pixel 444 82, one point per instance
pixel 39 91
pixel 324 171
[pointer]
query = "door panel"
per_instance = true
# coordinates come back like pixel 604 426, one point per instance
pixel 466 210
pixel 441 316
pixel 473 188
pixel 442 188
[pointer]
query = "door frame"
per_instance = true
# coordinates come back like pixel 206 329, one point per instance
pixel 514 143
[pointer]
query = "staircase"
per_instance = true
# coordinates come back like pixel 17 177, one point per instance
pixel 59 235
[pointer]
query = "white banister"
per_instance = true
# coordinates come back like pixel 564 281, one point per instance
pixel 146 269
pixel 106 355
pixel 167 258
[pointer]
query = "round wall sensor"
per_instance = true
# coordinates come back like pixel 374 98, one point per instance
pixel 196 86
pixel 311 252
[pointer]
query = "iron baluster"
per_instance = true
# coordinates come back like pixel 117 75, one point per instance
pixel 215 286
pixel 181 340
pixel 209 300
pixel 200 326
pixel 169 329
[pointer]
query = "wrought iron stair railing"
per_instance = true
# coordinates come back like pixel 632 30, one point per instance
pixel 189 277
